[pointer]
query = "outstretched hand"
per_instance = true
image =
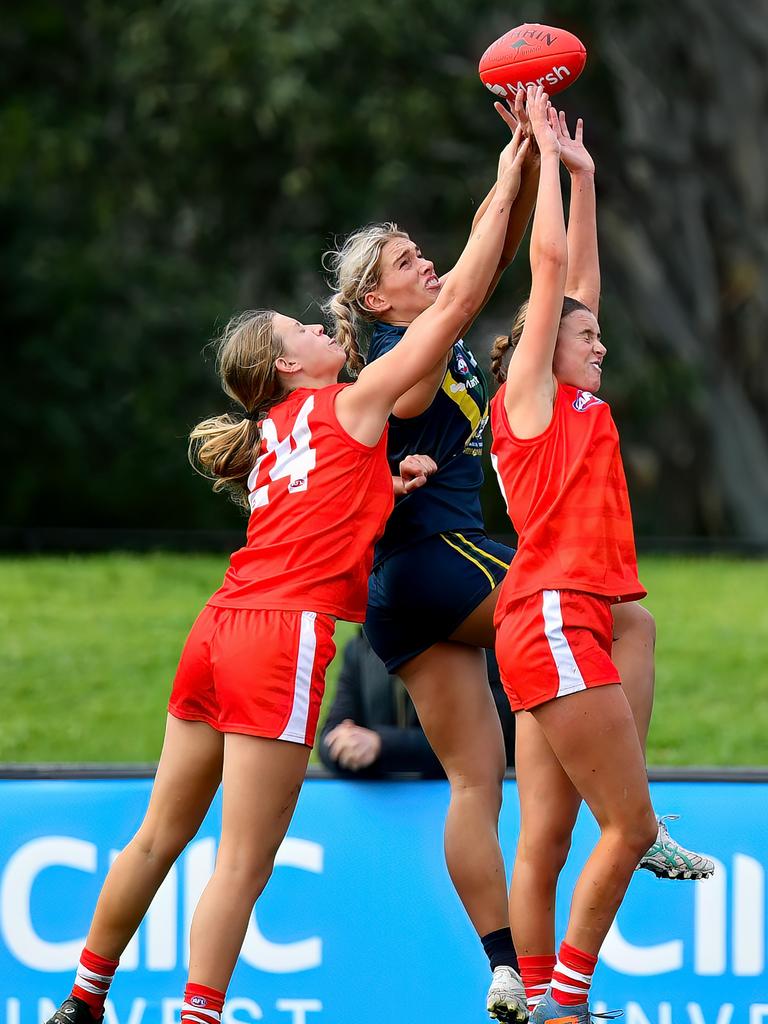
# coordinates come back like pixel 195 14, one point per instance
pixel 514 115
pixel 511 161
pixel 538 107
pixel 573 152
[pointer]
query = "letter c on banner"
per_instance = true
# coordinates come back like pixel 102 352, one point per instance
pixel 623 956
pixel 286 957
pixel 20 875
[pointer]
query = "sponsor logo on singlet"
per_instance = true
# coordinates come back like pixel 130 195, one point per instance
pixel 464 385
pixel 585 400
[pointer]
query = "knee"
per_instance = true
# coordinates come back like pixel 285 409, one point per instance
pixel 163 846
pixel 484 785
pixel 246 871
pixel 638 620
pixel 646 624
pixel 638 833
pixel 547 849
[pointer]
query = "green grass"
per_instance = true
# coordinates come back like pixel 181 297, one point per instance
pixel 90 645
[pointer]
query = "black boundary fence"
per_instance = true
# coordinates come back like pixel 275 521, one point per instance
pixel 41 771
pixel 44 540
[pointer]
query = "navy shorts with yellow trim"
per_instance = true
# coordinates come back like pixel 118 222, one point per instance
pixel 421 595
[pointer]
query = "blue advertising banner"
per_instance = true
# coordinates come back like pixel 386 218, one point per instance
pixel 360 918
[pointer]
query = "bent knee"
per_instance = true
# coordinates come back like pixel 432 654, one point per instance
pixel 633 617
pixel 163 846
pixel 547 848
pixel 248 875
pixel 481 785
pixel 638 834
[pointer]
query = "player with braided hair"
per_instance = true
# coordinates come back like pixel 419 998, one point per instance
pixel 555 450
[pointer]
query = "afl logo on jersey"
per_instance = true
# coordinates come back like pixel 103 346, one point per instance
pixel 461 363
pixel 584 400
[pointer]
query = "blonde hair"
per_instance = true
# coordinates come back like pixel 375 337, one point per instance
pixel 225 448
pixel 356 270
pixel 507 343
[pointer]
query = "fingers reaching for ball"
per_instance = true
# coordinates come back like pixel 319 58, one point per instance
pixel 513 113
pixel 538 107
pixel 573 152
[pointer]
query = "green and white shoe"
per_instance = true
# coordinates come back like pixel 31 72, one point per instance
pixel 506 1000
pixel 668 859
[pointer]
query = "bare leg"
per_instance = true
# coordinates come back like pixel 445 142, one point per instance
pixel 187 778
pixel 548 808
pixel 594 737
pixel 634 640
pixel 262 780
pixel 449 687
pixel 478 629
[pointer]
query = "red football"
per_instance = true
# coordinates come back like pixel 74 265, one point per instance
pixel 532 55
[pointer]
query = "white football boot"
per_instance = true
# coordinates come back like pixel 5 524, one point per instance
pixel 506 997
pixel 668 859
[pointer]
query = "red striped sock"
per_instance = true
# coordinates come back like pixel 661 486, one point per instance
pixel 536 972
pixel 94 976
pixel 202 1005
pixel 572 975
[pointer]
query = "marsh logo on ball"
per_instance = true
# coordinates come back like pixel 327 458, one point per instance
pixel 585 400
pixel 554 77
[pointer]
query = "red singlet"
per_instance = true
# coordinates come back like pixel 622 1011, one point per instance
pixel 319 500
pixel 567 498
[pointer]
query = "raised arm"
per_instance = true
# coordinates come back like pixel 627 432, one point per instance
pixel 363 408
pixel 421 396
pixel 515 115
pixel 583 280
pixel 530 386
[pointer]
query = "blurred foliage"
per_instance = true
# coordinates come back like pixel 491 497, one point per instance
pixel 166 163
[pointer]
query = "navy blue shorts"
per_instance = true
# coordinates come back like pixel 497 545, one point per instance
pixel 421 595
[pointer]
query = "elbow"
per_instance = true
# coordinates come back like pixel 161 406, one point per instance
pixel 551 258
pixel 460 303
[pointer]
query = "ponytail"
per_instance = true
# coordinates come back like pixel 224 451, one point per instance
pixel 225 448
pixel 345 332
pixel 505 343
pixel 355 271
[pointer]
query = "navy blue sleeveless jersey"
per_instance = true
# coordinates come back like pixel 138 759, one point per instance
pixel 451 432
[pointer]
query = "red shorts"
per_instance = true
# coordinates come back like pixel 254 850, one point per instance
pixel 552 643
pixel 259 672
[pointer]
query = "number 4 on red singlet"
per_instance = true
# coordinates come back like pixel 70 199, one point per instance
pixel 294 458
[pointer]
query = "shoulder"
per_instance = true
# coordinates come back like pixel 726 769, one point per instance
pixel 384 339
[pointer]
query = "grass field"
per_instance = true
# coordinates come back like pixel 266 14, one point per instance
pixel 90 645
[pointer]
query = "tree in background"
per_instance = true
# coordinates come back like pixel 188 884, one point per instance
pixel 164 165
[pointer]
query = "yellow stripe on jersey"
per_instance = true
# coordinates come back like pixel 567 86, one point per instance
pixel 469 558
pixel 485 554
pixel 458 393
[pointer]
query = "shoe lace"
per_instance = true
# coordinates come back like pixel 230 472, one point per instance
pixel 608 1014
pixel 665 818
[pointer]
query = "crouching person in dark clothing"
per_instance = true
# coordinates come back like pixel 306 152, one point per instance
pixel 372 728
